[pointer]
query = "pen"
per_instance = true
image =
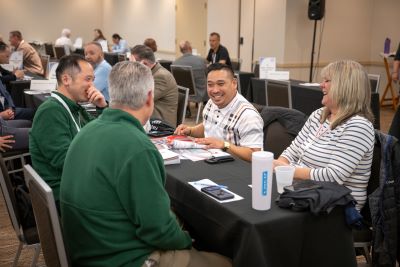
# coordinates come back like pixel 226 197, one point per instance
pixel 220 186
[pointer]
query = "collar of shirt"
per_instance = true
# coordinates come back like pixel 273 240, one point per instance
pixel 118 115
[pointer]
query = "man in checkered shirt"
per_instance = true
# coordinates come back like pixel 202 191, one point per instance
pixel 230 122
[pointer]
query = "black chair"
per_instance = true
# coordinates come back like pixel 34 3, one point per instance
pixel 183 98
pixel 49 48
pixel 47 220
pixel 281 126
pixel 45 59
pixel 27 236
pixel 278 93
pixel 184 77
pixel 395 126
pixel 374 81
pixel 59 51
pixel 236 63
pixel 111 58
pixel 166 64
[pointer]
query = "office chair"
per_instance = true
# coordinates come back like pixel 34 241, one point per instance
pixel 183 98
pixel 374 81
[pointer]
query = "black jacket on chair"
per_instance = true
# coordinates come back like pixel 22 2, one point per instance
pixel 384 204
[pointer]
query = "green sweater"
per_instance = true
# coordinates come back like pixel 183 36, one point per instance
pixel 51 134
pixel 115 210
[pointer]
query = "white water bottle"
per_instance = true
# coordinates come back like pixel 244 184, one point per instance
pixel 261 173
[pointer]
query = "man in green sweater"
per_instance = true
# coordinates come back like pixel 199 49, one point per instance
pixel 60 118
pixel 115 210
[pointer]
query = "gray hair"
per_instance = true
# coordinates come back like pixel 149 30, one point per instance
pixel 143 52
pixel 129 83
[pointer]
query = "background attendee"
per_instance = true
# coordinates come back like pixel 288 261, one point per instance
pixel 98 36
pixel 336 143
pixel 150 42
pixel 217 53
pixel 120 45
pixel 396 65
pixel 120 190
pixel 230 122
pixel 8 110
pixel 60 118
pixel 165 88
pixel 65 40
pixel 199 67
pixel 31 59
pixel 95 56
pixel 7 76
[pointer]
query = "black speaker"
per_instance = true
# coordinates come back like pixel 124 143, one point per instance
pixel 316 9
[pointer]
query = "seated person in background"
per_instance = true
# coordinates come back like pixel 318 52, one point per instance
pixel 230 122
pixel 98 36
pixel 8 110
pixel 7 76
pixel 150 42
pixel 217 53
pixel 65 40
pixel 121 190
pixel 31 59
pixel 120 45
pixel 95 56
pixel 165 88
pixel 396 65
pixel 199 67
pixel 60 118
pixel 337 141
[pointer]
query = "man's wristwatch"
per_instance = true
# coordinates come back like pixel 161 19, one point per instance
pixel 227 145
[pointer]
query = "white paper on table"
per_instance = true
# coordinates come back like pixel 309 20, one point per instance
pixel 178 144
pixel 8 67
pixel 200 154
pixel 310 84
pixel 43 85
pixel 266 64
pixel 16 60
pixel 207 182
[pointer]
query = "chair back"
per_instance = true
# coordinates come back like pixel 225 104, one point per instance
pixel 10 199
pixel 395 126
pixel 59 51
pixel 165 63
pixel 184 77
pixel 278 93
pixel 45 59
pixel 281 126
pixel 49 48
pixel 111 58
pixel 256 69
pixel 47 220
pixel 236 63
pixel 183 98
pixel 374 81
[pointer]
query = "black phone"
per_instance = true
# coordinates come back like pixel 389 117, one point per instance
pixel 217 192
pixel 215 160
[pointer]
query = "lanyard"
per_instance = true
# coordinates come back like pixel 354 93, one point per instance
pixel 67 108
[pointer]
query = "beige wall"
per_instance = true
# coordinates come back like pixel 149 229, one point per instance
pixel 136 20
pixel 43 20
pixel 223 17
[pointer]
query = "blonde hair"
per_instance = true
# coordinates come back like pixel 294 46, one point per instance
pixel 350 91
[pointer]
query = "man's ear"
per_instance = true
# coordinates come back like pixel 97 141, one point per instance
pixel 150 98
pixel 66 79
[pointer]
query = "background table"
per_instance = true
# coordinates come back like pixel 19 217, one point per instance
pixel 277 237
pixel 306 99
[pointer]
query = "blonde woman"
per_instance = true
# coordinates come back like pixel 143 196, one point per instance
pixel 336 143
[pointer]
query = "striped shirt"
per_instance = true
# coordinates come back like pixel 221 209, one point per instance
pixel 342 155
pixel 238 123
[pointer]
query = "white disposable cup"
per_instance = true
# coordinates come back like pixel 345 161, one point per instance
pixel 284 176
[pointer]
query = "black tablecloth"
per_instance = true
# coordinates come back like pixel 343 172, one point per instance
pixel 277 237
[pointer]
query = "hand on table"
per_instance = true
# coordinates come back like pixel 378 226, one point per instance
pixel 210 142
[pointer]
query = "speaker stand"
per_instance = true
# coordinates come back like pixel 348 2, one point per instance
pixel 312 50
